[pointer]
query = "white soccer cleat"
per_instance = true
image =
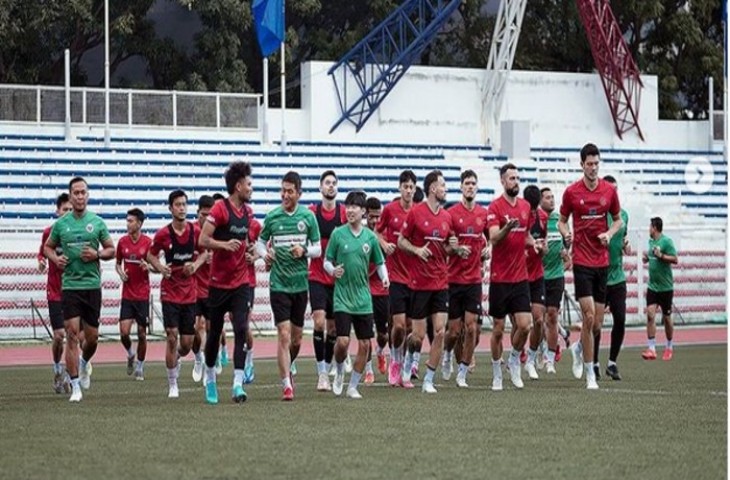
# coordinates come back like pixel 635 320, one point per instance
pixel 550 368
pixel 353 393
pixel 197 371
pixel 338 384
pixel 76 396
pixel 428 387
pixel 591 383
pixel 447 368
pixel 139 375
pixel 85 378
pixel 515 374
pixel 174 392
pixel 461 381
pixel 531 370
pixel 323 383
pixel 576 352
pixel 497 384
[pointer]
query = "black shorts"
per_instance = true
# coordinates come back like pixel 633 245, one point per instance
pixel 289 307
pixel 180 316
pixel 201 308
pixel 321 297
pixel 400 298
pixel 616 301
pixel 229 300
pixel 537 291
pixel 55 314
pixel 251 297
pixel 663 299
pixel 85 304
pixel 554 289
pixel 137 310
pixel 381 313
pixel 464 298
pixel 363 325
pixel 425 303
pixel 590 282
pixel 505 298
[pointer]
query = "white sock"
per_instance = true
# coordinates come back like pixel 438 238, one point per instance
pixel 463 369
pixel 611 363
pixel 210 374
pixel 354 379
pixel 589 368
pixel 670 345
pixel 514 355
pixel 249 356
pixel 369 367
pixel 652 343
pixel 378 350
pixel 321 367
pixel 172 376
pixel 286 383
pixel 551 356
pixel 428 378
pixel 130 352
pixel 531 355
pixel 238 377
pixel 199 357
pixel 57 368
pixel 140 365
pixel 340 368
pixel 416 358
pixel 75 383
pixel 497 368
pixel 82 364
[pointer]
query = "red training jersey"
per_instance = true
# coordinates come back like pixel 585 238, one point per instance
pixel 131 254
pixel 327 221
pixel 590 210
pixel 53 279
pixel 537 226
pixel 390 225
pixel 202 274
pixel 423 227
pixel 509 261
pixel 180 250
pixel 229 270
pixel 254 230
pixel 470 227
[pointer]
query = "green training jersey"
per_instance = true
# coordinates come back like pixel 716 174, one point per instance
pixel 616 273
pixel 354 254
pixel 660 272
pixel 289 274
pixel 72 235
pixel 552 261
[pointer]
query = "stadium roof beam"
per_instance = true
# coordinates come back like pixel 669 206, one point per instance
pixel 501 57
pixel 370 71
pixel 615 64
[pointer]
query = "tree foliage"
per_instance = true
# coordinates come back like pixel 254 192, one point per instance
pixel 678 40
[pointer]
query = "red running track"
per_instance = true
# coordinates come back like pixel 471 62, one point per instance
pixel 265 347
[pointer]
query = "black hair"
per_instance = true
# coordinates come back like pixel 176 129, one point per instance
pixel 418 195
pixel 430 179
pixel 357 197
pixel 76 180
pixel 373 203
pixel 588 150
pixel 407 176
pixel 657 223
pixel 467 174
pixel 543 190
pixel 532 195
pixel 293 178
pixel 138 214
pixel 61 199
pixel 507 166
pixel 234 173
pixel 174 195
pixel 326 174
pixel 218 196
pixel 206 201
pixel 610 179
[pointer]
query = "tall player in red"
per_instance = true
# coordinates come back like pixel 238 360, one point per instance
pixel 509 291
pixel 254 230
pixel 226 233
pixel 177 290
pixel 469 221
pixel 428 236
pixel 330 214
pixel 202 279
pixel 381 301
pixel 396 261
pixel 590 201
pixel 133 271
pixel 61 382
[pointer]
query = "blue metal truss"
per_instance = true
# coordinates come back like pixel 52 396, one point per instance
pixel 369 72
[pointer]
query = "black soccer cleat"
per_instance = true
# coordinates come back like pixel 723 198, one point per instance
pixel 597 372
pixel 612 371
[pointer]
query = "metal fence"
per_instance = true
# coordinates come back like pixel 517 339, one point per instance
pixel 131 108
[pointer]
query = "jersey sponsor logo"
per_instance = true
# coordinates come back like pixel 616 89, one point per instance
pixel 238 230
pixel 89 227
pixel 288 240
pixel 469 230
pixel 181 257
pixel 301 226
pixel 593 216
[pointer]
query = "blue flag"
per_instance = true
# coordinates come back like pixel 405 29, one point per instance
pixel 269 22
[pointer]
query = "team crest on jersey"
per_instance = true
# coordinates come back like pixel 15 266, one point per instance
pixel 366 248
pixel 89 227
pixel 301 226
pixel 479 222
pixel 603 201
pixel 444 226
pixel 523 215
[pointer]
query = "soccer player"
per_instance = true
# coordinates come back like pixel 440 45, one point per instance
pixel 381 300
pixel 397 261
pixel 469 221
pixel 202 280
pixel 427 236
pixel 79 234
pixel 133 271
pixel 350 252
pixel 555 261
pixel 226 233
pixel 294 235
pixel 177 290
pixel 537 225
pixel 61 382
pixel 254 230
pixel 330 214
pixel 590 200
pixel 615 294
pixel 660 292
pixel 509 290
pixel 222 360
